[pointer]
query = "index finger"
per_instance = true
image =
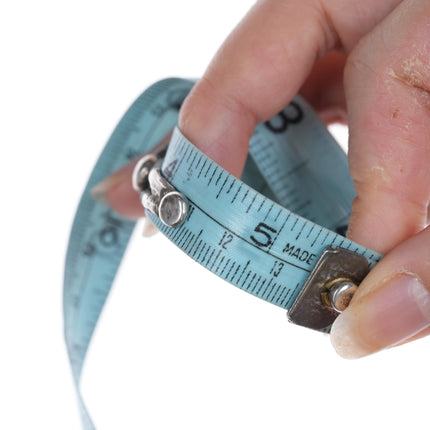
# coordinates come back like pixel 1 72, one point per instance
pixel 262 65
pixel 257 71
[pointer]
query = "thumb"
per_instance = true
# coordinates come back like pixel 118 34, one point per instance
pixel 387 81
pixel 392 304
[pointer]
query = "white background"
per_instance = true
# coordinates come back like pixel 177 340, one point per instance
pixel 176 346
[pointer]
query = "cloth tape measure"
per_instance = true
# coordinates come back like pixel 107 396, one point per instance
pixel 295 258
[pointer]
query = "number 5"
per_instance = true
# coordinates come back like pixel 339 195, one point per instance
pixel 264 237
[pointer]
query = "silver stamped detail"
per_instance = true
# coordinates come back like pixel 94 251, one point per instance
pixel 157 194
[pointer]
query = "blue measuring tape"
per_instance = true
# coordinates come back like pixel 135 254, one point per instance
pixel 295 258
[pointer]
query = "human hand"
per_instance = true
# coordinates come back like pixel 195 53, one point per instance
pixel 366 63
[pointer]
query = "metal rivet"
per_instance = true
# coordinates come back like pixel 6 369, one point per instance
pixel 173 209
pixel 341 293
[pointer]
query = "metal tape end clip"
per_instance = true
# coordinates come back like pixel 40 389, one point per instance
pixel 328 289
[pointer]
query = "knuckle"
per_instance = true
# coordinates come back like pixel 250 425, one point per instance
pixel 360 63
pixel 195 102
pixel 206 99
pixel 386 58
pixel 411 66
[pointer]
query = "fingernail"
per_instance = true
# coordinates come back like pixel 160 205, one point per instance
pixel 99 191
pixel 386 316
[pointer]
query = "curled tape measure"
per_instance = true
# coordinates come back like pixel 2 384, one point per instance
pixel 295 258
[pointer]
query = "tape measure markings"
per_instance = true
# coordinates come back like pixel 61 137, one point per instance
pixel 242 238
pixel 225 271
pixel 85 291
pixel 241 233
pixel 301 223
pixel 180 154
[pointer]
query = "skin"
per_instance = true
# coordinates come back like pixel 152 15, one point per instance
pixel 363 63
